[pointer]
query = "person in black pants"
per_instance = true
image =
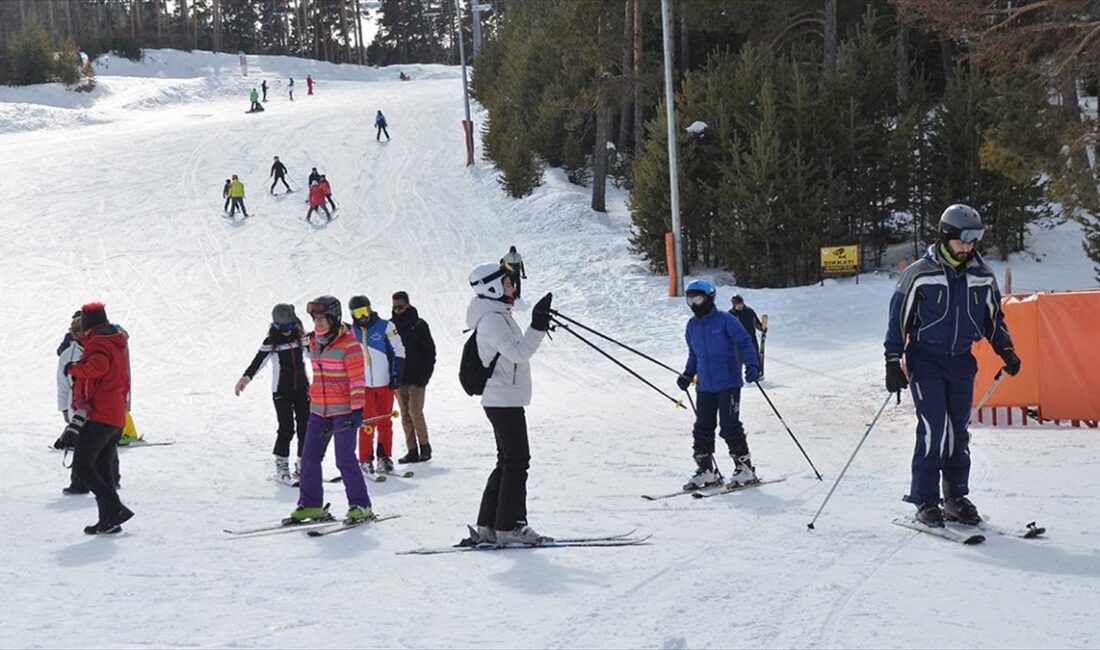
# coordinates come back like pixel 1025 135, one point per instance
pixel 225 194
pixel 278 170
pixel 380 126
pixel 750 322
pixel 263 87
pixel 283 346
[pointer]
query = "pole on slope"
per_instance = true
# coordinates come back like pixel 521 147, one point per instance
pixel 467 125
pixel 673 172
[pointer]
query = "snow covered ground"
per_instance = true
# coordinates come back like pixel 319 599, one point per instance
pixel 116 196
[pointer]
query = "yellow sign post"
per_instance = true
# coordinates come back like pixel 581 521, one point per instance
pixel 840 260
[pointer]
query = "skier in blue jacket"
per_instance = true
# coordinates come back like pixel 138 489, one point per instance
pixel 943 303
pixel 718 346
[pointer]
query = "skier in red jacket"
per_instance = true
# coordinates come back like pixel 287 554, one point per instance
pixel 309 84
pixel 328 191
pixel 317 200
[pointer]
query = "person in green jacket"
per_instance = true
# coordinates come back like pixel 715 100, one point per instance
pixel 236 195
pixel 254 96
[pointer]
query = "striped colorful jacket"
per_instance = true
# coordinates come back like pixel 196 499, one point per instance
pixel 338 386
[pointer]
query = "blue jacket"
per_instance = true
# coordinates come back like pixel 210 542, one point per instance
pixel 942 310
pixel 718 345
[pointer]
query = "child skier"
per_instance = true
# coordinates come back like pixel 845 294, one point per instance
pixel 317 200
pixel 309 84
pixel 225 193
pixel 327 189
pixel 380 126
pixel 384 356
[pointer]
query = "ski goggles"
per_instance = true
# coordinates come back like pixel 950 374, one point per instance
pixel 315 308
pixel 697 299
pixel 283 327
pixel 360 313
pixel 971 235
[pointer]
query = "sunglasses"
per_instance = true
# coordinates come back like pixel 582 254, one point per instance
pixel 360 312
pixel 697 299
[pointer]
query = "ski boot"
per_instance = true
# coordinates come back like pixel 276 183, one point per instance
pixel 521 534
pixel 478 536
pixel 425 452
pixel 297 469
pixel 302 515
pixel 385 465
pixel 930 515
pixel 74 490
pixel 705 475
pixel 961 510
pixel 111 525
pixel 743 471
pixel 358 514
pixel 282 471
pixel 368 469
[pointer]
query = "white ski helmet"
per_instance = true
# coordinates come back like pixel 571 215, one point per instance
pixel 488 280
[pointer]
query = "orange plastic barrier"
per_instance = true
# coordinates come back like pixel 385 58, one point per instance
pixel 1057 336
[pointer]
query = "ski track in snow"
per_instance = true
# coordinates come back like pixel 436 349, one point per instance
pixel 132 176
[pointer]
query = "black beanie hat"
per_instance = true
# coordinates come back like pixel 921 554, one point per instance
pixel 92 315
pixel 358 301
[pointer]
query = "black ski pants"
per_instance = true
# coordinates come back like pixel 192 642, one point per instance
pixel 279 177
pixel 237 202
pixel 292 409
pixel 94 462
pixel 314 208
pixel 721 409
pixel 227 200
pixel 381 128
pixel 328 197
pixel 504 502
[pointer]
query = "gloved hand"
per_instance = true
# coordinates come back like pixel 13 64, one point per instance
pixel 684 380
pixel 241 383
pixel 1012 362
pixel 394 383
pixel 895 376
pixel 540 316
pixel 752 373
pixel 68 436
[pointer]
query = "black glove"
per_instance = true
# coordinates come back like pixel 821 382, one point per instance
pixel 684 380
pixel 394 383
pixel 752 373
pixel 540 317
pixel 68 436
pixel 1012 362
pixel 895 376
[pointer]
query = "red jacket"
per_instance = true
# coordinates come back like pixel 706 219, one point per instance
pixel 324 185
pixel 101 379
pixel 316 196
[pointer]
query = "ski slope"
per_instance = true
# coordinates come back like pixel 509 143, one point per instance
pixel 117 197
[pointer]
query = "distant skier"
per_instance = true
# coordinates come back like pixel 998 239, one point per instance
pixel 515 262
pixel 336 412
pixel 503 346
pixel 403 77
pixel 225 193
pixel 384 358
pixel 317 200
pixel 717 348
pixel 236 196
pixel 327 189
pixel 290 88
pixel 314 176
pixel 283 346
pixel 309 84
pixel 943 303
pixel 380 126
pixel 278 170
pixel 254 97
pixel 750 322
pixel 263 87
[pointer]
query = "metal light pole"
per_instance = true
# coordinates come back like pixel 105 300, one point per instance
pixel 673 172
pixel 467 125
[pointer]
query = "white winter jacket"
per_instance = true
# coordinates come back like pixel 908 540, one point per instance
pixel 71 354
pixel 497 331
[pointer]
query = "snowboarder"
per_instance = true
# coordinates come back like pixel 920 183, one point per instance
pixel 225 193
pixel 317 200
pixel 380 126
pixel 943 303
pixel 309 84
pixel 263 87
pixel 384 361
pixel 336 411
pixel 314 176
pixel 749 320
pixel 101 388
pixel 278 170
pixel 236 196
pixel 717 348
pixel 283 346
pixel 515 262
pixel 327 189
pixel 419 366
pixel 254 97
pixel 290 88
pixel 503 346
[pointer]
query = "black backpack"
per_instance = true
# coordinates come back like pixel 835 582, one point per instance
pixel 471 374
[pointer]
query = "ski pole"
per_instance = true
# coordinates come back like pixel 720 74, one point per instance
pixel 692 402
pixel 776 411
pixel 619 343
pixel 853 457
pixel 996 382
pixel 678 403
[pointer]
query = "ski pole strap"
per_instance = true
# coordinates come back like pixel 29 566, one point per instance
pixel 567 328
pixel 776 411
pixel 643 355
pixel 64 456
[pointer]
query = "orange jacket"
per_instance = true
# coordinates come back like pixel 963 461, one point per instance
pixel 338 385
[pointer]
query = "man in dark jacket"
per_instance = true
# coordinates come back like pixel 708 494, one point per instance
pixel 749 321
pixel 101 386
pixel 419 365
pixel 278 170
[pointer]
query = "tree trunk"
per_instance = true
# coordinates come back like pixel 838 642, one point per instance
pixel 54 36
pixel 830 39
pixel 599 156
pixel 639 106
pixel 946 58
pixel 359 32
pixel 69 21
pixel 902 67
pixel 159 15
pixel 624 102
pixel 685 58
pixel 217 26
pixel 344 27
pixel 1071 103
pixel 301 27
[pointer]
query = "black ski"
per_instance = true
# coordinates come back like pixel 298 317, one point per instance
pixel 949 534
pixel 606 542
pixel 348 525
pixel 1029 531
pixel 681 493
pixel 736 488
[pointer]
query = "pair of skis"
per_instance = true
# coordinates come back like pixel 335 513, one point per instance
pixel 712 490
pixel 971 535
pixel 377 478
pixel 607 541
pixel 311 528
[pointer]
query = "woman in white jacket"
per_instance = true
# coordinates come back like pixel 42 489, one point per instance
pixel 502 518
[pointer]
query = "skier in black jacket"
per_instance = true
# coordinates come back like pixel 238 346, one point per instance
pixel 278 170
pixel 419 365
pixel 285 341
pixel 749 320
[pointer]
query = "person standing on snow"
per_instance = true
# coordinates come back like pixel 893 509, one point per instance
pixel 384 362
pixel 515 262
pixel 380 126
pixel 718 346
pixel 943 303
pixel 263 87
pixel 225 193
pixel 748 319
pixel 317 200
pixel 290 88
pixel 309 84
pixel 283 346
pixel 314 176
pixel 278 170
pixel 336 412
pixel 419 366
pixel 327 189
pixel 236 196
pixel 254 97
pixel 507 350
pixel 101 388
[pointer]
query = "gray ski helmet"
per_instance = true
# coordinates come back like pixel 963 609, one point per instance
pixel 283 314
pixel 961 222
pixel 328 306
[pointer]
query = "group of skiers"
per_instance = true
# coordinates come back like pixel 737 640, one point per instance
pixel 320 191
pixel 257 102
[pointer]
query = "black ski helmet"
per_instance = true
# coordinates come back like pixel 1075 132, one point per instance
pixel 328 306
pixel 961 222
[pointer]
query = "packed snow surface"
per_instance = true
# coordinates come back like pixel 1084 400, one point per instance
pixel 116 196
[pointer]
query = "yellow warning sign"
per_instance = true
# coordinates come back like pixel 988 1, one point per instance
pixel 840 260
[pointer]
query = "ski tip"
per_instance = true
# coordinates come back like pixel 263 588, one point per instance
pixel 698 495
pixel 648 497
pixel 974 539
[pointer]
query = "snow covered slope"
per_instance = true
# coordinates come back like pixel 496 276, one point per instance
pixel 119 199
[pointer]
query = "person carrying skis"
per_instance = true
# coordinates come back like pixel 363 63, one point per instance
pixel 718 346
pixel 506 350
pixel 309 84
pixel 419 366
pixel 283 346
pixel 336 412
pixel 278 170
pixel 225 193
pixel 514 261
pixel 263 87
pixel 317 200
pixel 380 126
pixel 748 319
pixel 254 97
pixel 943 303
pixel 327 189
pixel 236 196
pixel 290 88
pixel 101 388
pixel 384 362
